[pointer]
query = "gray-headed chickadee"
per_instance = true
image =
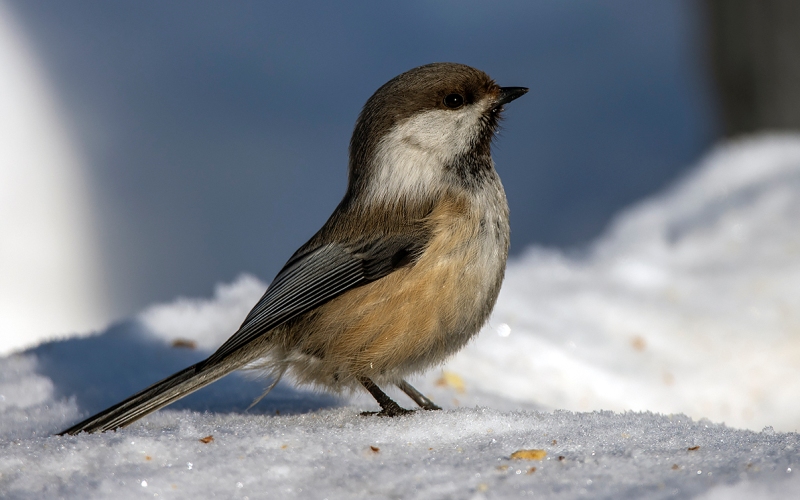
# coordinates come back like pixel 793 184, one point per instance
pixel 404 272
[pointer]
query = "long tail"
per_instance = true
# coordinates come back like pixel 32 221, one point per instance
pixel 154 397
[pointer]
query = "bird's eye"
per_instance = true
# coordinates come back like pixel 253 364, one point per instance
pixel 454 101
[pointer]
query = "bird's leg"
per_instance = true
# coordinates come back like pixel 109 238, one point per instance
pixel 388 407
pixel 422 401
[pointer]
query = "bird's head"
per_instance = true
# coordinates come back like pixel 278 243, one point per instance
pixel 424 130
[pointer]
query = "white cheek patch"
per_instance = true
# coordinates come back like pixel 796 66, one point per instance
pixel 412 157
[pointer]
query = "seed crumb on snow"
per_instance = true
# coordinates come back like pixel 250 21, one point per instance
pixel 529 455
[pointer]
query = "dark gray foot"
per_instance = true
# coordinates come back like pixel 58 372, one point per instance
pixel 422 401
pixel 388 407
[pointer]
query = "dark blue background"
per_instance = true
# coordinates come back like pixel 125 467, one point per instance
pixel 216 132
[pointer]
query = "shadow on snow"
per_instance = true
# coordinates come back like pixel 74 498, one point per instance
pixel 102 370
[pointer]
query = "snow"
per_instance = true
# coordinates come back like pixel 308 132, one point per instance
pixel 460 454
pixel 662 362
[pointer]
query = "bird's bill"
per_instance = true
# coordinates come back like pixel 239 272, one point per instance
pixel 508 94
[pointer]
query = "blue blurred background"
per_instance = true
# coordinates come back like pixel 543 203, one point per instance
pixel 215 133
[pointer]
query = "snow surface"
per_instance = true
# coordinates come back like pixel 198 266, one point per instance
pixel 687 306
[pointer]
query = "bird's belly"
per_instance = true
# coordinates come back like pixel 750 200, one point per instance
pixel 406 321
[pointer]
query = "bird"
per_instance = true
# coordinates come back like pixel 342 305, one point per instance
pixel 403 274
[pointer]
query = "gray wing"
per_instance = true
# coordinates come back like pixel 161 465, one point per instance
pixel 318 275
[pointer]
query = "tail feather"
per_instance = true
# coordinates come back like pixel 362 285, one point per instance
pixel 154 397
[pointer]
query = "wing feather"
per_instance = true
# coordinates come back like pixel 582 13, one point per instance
pixel 317 276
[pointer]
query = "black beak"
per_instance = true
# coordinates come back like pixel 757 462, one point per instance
pixel 508 94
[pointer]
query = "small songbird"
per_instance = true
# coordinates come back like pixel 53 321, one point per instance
pixel 404 272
